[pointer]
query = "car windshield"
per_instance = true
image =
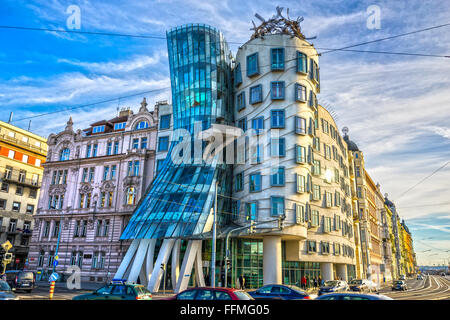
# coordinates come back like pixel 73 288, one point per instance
pixel 331 283
pixel 296 289
pixel 356 282
pixel 242 295
pixel 4 286
pixel 398 282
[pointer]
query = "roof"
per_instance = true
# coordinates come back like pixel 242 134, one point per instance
pixel 351 145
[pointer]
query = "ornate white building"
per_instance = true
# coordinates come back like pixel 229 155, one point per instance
pixel 93 179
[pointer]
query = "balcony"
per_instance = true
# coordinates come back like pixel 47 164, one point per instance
pixel 15 176
pixel 132 180
pixel 15 141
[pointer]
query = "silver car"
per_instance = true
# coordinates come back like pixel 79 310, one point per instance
pixel 353 296
pixel 5 291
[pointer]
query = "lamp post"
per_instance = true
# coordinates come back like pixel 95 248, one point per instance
pixel 213 253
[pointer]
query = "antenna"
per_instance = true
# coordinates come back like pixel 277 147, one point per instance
pixel 10 117
pixel 29 125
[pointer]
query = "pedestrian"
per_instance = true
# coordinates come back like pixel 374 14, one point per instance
pixel 241 282
pixel 315 282
pixel 319 281
pixel 304 282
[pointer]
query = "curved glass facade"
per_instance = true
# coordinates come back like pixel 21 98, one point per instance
pixel 180 198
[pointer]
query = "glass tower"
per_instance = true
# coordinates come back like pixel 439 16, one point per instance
pixel 179 200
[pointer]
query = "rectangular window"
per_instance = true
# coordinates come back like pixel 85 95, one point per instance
pixel 163 144
pixel 316 192
pixel 300 92
pixel 255 153
pixel 316 168
pixel 136 168
pixel 300 154
pixel 2 206
pixel 258 125
pixel 30 209
pixel 299 213
pixel 277 208
pixel 311 246
pixel 240 101
pixel 243 124
pixel 16 206
pixel 239 182
pixel 302 62
pixel 119 126
pixel 94 150
pixel 277 90
pixel 159 164
pixel 329 199
pixel 113 172
pixel 91 174
pixel 278 147
pixel 164 122
pixel 337 249
pixel 252 65
pixel 301 183
pixel 316 143
pixel 135 144
pixel 277 119
pixel 98 129
pixel 251 211
pixel 327 224
pixel 277 177
pixel 256 94
pixel 144 143
pixel 88 151
pixel 312 100
pixel 105 173
pixel 237 75
pixel 315 218
pixel 11 154
pixel 116 147
pixel 277 59
pixel 337 222
pixel 300 125
pixel 325 247
pixel 255 182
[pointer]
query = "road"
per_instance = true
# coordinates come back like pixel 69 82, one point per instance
pixel 431 288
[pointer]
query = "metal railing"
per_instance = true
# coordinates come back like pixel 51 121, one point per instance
pixel 27 145
pixel 15 176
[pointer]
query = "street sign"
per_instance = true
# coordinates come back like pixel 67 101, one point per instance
pixel 17 260
pixel 56 257
pixel 55 263
pixel 7 245
pixel 53 277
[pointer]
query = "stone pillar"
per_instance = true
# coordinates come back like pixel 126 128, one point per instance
pixel 326 271
pixel 272 260
pixel 341 270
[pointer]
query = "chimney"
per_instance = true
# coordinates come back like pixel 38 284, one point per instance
pixel 125 112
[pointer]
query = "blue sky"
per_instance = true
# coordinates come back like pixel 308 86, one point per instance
pixel 396 107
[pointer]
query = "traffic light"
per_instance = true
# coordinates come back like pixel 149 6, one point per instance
pixel 280 221
pixel 252 227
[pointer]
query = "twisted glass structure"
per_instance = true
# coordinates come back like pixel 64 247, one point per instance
pixel 179 200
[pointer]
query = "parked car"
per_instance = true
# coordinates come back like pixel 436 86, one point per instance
pixel 118 290
pixel 333 286
pixel 362 285
pixel 5 291
pixel 21 280
pixel 402 277
pixel 279 292
pixel 399 285
pixel 353 296
pixel 206 293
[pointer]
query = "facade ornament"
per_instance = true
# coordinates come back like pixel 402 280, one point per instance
pixel 143 107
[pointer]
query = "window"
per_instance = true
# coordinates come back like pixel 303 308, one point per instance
pixel 243 124
pixel 316 168
pixel 30 209
pixel 37 162
pixel 277 90
pixel 300 125
pixel 55 229
pixel 316 192
pixel 251 210
pixel 255 182
pixel 300 154
pixel 91 174
pixel 2 206
pixel 302 62
pixel 105 173
pixel 136 168
pixel 25 158
pixel 327 149
pixel 359 191
pixel 277 177
pixel 237 75
pixel 255 154
pixel 358 171
pixel 64 155
pixel 329 199
pixel 325 126
pixel 11 154
pixel 313 100
pixel 109 148
pixel 16 206
pixel 277 206
pixel 337 222
pixel 239 184
pixel 130 196
pixel 88 151
pixel 301 183
pixel 315 218
pixel 311 246
pixel 300 217
pixel 19 190
pixel 337 249
pixel 142 125
pixel 278 147
pixel 277 59
pixel 98 129
pixel 83 176
pixel 277 119
pixel 113 172
pixel 256 94
pixel 94 150
pixel 33 193
pixel 252 65
pixel 337 199
pixel 326 224
pixel 116 147
pixel 120 125
pixel 41 258
pixel 325 247
pixel 159 164
pixel 135 144
pixel 258 124
pixel 300 92
pixel 12 225
pixel 163 144
pixel 240 101
pixel 164 122
pixel 316 143
pixel 5 187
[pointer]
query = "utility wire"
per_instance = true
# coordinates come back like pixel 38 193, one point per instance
pixel 91 104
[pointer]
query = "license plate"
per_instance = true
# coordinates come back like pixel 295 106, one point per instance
pixel 26 284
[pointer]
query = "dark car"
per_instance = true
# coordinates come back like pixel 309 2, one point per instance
pixel 399 285
pixel 353 296
pixel 206 293
pixel 332 286
pixel 279 292
pixel 21 280
pixel 118 290
pixel 5 291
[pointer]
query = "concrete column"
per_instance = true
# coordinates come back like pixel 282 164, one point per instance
pixel 126 262
pixel 139 260
pixel 188 261
pixel 175 262
pixel 326 271
pixel 341 270
pixel 163 257
pixel 272 260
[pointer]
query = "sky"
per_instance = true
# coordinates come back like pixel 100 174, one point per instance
pixel 396 107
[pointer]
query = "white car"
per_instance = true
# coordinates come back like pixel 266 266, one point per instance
pixel 363 285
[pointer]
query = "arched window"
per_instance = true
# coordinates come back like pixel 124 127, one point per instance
pixel 130 196
pixel 142 125
pixel 65 154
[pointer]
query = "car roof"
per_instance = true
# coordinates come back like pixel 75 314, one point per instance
pixel 356 294
pixel 216 289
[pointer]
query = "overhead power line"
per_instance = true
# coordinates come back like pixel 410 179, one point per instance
pixel 90 104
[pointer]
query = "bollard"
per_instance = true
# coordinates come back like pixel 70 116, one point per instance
pixel 52 289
